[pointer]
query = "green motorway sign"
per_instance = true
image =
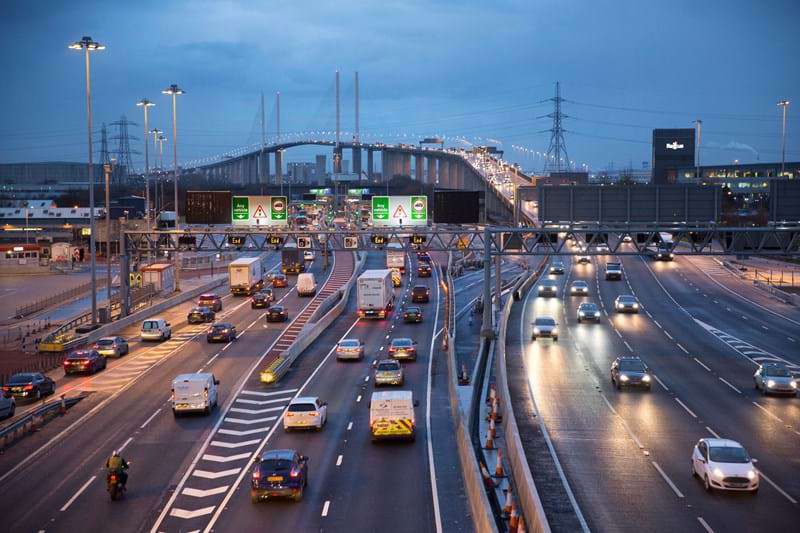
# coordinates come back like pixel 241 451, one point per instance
pixel 241 208
pixel 419 208
pixel 380 208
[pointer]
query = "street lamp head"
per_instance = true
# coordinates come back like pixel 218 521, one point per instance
pixel 144 102
pixel 783 103
pixel 86 43
pixel 173 89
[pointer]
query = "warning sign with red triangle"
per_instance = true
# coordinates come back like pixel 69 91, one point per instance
pixel 259 212
pixel 400 212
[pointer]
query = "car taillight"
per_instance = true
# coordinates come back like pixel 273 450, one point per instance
pixel 382 314
pixel 313 413
pixel 256 474
pixel 392 349
pixel 205 394
pixel 360 313
pixel 172 395
pixel 27 387
pixel 405 315
pixel 295 472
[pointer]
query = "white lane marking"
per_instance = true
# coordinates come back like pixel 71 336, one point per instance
pixel 198 493
pixel 767 411
pixel 187 514
pixel 545 433
pixel 624 423
pixel 255 411
pixel 776 487
pixel 684 406
pixel 765 327
pixel 726 382
pixel 628 345
pixel 431 465
pixel 657 324
pixel 231 445
pixel 618 333
pixel 224 459
pixel 349 426
pixel 684 350
pixel 358 399
pixel 326 507
pixel 215 475
pixel 339 461
pixel 124 444
pixel 258 393
pixel 366 378
pixel 150 419
pixel 249 422
pixel 262 402
pixel 238 433
pixel 713 432
pixel 661 383
pixel 78 493
pixel 699 362
pixel 668 480
pixel 668 335
pixel 705 524
pixel 790 339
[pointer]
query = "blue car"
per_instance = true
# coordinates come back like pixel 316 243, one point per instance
pixel 279 474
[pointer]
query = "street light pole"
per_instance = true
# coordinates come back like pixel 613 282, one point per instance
pixel 88 45
pixel 107 172
pixel 785 105
pixel 173 90
pixel 144 103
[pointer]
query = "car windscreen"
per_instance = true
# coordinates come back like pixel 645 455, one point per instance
pixel 728 454
pixel 301 407
pixel 579 284
pixel 777 372
pixel 387 367
pixel 631 366
pixel 627 299
pixel 549 283
pixel 545 322
pixel 21 378
pixel 588 307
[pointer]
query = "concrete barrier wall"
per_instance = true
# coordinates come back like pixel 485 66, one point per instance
pixel 478 502
pixel 526 488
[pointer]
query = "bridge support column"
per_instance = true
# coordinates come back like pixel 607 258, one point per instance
pixel 279 167
pixel 357 161
pixel 370 166
pixel 457 175
pixel 419 168
pixel 444 173
pixel 431 171
pixel 385 165
pixel 406 165
pixel 265 162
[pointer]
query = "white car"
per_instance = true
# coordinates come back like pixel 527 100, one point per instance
pixel 308 255
pixel 155 329
pixel 579 288
pixel 305 412
pixel 725 465
pixel 545 326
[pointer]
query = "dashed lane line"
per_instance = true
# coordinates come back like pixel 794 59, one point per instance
pixel 668 480
pixel 686 408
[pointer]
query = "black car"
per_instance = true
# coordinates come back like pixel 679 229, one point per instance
pixel 424 257
pixel 29 385
pixel 412 315
pixel 81 361
pixel 630 371
pixel 277 313
pixel 201 315
pixel 279 474
pixel 221 332
pixel 424 270
pixel 557 267
pixel 420 294
pixel 262 299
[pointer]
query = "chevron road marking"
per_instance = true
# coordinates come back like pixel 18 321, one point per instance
pixel 249 422
pixel 262 402
pixel 216 475
pixel 231 445
pixel 197 493
pixel 242 433
pixel 255 411
pixel 188 515
pixel 224 459
pixel 258 393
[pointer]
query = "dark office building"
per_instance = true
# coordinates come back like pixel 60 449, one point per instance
pixel 672 149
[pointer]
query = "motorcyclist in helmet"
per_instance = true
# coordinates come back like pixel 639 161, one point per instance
pixel 116 464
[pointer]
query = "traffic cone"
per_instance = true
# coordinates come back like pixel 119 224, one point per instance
pixel 509 501
pixel 492 394
pixel 498 469
pixel 513 518
pixel 488 482
pixel 493 428
pixel 63 407
pixel 489 440
pixel 521 527
pixel 493 413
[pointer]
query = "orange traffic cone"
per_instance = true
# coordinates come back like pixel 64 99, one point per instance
pixel 489 439
pixel 509 501
pixel 521 527
pixel 513 519
pixel 498 469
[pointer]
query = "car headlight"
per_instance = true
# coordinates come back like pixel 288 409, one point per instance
pixel 597 314
pixel 554 331
pixel 581 313
pixel 536 331
pixel 718 472
pixel 770 383
pixel 646 378
pixel 623 377
pixel 636 306
pixel 541 288
pixel 793 384
pixel 751 475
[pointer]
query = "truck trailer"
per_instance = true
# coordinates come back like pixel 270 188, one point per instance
pixel 246 276
pixel 375 293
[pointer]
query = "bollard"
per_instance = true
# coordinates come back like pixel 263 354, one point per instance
pixel 492 394
pixel 63 406
pixel 498 469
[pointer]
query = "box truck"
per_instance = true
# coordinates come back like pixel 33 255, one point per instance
pixel 292 259
pixel 375 293
pixel 395 256
pixel 246 276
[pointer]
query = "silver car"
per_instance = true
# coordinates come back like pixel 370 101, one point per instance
pixel 548 287
pixel 349 349
pixel 112 346
pixel 388 372
pixel 626 303
pixel 775 378
pixel 579 288
pixel 588 311
pixel 545 326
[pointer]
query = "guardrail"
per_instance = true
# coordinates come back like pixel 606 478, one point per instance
pixel 35 419
pixel 44 303
pixel 483 519
pixel 529 498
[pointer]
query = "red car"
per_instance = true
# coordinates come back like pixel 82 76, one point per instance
pixel 424 270
pixel 210 300
pixel 280 281
pixel 82 361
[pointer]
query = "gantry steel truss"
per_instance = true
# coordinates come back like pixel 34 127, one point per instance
pixel 490 240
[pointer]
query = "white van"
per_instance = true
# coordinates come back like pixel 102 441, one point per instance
pixel 391 415
pixel 194 392
pixel 306 284
pixel 155 329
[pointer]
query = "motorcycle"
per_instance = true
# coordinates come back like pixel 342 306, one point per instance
pixel 114 485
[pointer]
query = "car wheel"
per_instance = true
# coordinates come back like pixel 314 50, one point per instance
pixel 533 337
pixel 555 339
pixel 38 394
pixel 694 472
pixel 754 491
pixel 254 497
pixel 298 496
pixel 707 484
pixel 12 410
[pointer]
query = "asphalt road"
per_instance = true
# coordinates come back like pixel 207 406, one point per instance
pixel 64 485
pixel 626 453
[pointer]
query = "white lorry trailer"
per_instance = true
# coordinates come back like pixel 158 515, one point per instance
pixel 246 276
pixel 375 293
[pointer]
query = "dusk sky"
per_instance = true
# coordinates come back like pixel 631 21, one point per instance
pixel 473 69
